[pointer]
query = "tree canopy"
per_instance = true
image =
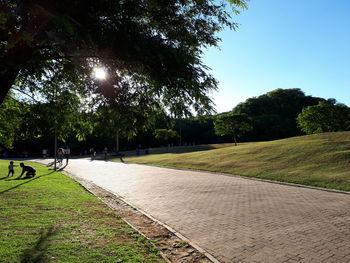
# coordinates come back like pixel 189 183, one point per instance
pixel 274 113
pixel 165 135
pixel 150 48
pixel 10 119
pixel 232 124
pixel 324 117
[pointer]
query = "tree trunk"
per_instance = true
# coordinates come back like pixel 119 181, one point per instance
pixel 117 142
pixel 7 79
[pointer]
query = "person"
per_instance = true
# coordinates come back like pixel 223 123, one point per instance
pixel 44 153
pixel 105 152
pixel 11 169
pixel 60 156
pixel 92 153
pixel 30 171
pixel 67 154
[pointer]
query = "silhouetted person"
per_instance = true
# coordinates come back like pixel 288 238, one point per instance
pixel 60 156
pixel 30 171
pixel 67 154
pixel 44 153
pixel 11 169
pixel 92 153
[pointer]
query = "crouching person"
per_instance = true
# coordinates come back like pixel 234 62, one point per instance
pixel 30 171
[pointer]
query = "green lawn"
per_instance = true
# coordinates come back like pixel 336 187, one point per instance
pixel 51 218
pixel 321 160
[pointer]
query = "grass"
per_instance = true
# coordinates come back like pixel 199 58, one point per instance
pixel 321 160
pixel 51 218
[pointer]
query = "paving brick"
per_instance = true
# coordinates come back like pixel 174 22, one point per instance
pixel 234 219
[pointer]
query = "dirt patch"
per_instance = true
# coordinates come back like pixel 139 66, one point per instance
pixel 171 247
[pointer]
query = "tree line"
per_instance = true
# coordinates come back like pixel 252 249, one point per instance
pixel 277 114
pixel 283 113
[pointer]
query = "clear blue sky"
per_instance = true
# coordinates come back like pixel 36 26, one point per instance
pixel 284 44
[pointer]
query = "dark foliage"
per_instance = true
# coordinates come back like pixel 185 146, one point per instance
pixel 274 113
pixel 151 48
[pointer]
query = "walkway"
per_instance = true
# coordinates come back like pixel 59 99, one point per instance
pixel 234 219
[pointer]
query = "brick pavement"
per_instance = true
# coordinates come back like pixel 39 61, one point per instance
pixel 234 219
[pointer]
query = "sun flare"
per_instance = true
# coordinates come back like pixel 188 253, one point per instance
pixel 100 73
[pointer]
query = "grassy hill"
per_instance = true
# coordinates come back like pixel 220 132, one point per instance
pixel 321 160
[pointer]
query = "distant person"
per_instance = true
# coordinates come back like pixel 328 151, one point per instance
pixel 11 169
pixel 92 153
pixel 105 152
pixel 67 154
pixel 30 171
pixel 60 153
pixel 44 153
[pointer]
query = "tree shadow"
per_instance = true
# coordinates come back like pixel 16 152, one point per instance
pixel 3 178
pixel 24 178
pixel 51 163
pixel 61 168
pixel 36 254
pixel 58 167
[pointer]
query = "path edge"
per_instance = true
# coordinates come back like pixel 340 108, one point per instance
pixel 250 178
pixel 173 231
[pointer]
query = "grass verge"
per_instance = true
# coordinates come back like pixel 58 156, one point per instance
pixel 321 160
pixel 51 218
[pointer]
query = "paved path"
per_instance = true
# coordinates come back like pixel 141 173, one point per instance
pixel 234 219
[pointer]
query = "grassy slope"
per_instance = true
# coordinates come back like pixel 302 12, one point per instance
pixel 321 160
pixel 51 218
pixel 179 149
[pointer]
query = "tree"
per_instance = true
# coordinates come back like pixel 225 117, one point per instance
pixel 10 119
pixel 150 48
pixel 59 111
pixel 273 114
pixel 199 130
pixel 232 124
pixel 324 117
pixel 122 122
pixel 166 135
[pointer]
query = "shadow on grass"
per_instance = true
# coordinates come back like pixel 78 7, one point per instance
pixel 3 178
pixel 30 180
pixel 36 254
